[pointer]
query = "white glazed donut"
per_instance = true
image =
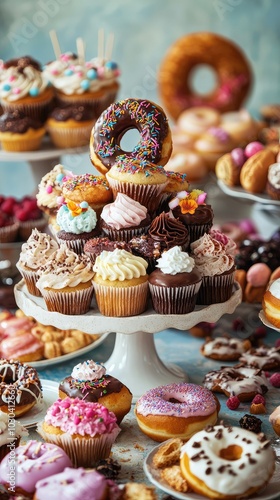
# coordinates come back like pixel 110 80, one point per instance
pixel 227 462
pixel 223 348
pixel 195 121
pixel 264 358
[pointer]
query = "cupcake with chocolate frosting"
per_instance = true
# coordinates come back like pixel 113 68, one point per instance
pixel 90 382
pixel 95 246
pixel 146 247
pixel 190 208
pixel 169 231
pixel 70 126
pixel 217 268
pixel 174 286
pixel 19 132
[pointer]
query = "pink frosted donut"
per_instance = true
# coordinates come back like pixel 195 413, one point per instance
pixel 13 325
pixel 176 410
pixel 32 462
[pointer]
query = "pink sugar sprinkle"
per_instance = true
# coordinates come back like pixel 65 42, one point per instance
pixel 16 90
pixel 54 72
pixel 233 403
pixel 49 189
pixel 275 379
pixel 258 399
pixel 12 78
pixel 76 420
pixel 80 74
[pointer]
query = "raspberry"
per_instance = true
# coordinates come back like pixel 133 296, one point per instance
pixel 238 325
pixel 275 379
pixel 258 399
pixel 277 343
pixel 260 332
pixel 233 402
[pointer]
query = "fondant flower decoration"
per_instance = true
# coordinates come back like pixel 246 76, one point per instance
pixel 188 206
pixel 76 209
pixel 188 201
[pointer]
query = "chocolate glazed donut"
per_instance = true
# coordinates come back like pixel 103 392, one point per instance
pixel 149 119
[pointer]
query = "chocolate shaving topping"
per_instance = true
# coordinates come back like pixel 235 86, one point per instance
pixel 196 444
pixel 208 471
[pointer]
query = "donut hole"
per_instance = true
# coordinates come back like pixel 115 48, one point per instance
pixel 231 453
pixel 130 139
pixel 202 79
pixel 174 401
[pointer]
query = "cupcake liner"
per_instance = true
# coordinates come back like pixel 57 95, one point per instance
pixel 8 234
pixel 30 279
pixel 123 234
pixel 148 195
pixel 83 451
pixel 37 109
pixel 196 231
pixel 72 137
pixel 174 300
pixel 121 301
pixel 76 245
pixel 25 228
pixel 215 289
pixel 98 104
pixel 22 142
pixel 76 302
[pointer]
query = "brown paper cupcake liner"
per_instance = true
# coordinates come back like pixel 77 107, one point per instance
pixel 195 232
pixel 121 301
pixel 174 300
pixel 30 279
pixel 37 110
pixel 147 194
pixel 76 302
pixel 82 451
pixel 124 234
pixel 215 289
pixel 8 234
pixel 97 104
pixel 70 137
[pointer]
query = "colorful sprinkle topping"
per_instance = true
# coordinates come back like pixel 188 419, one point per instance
pixel 88 179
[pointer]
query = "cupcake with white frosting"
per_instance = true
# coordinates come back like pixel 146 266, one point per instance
pixel 120 283
pixel 35 252
pixel 66 282
pixel 174 286
pixel 216 265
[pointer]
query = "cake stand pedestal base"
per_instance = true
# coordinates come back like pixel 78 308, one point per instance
pixel 135 362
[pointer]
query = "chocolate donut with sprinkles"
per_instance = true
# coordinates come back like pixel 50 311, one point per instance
pixel 155 144
pixel 176 411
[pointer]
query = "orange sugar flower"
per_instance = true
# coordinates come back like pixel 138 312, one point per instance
pixel 188 206
pixel 74 208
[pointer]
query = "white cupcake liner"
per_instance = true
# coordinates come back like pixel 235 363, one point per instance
pixel 83 451
pixel 72 137
pixel 148 195
pixel 76 246
pixel 121 301
pixel 30 278
pixel 215 289
pixel 174 300
pixel 76 302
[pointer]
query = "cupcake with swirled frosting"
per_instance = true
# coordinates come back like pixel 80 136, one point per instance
pixel 120 283
pixel 65 282
pixel 35 252
pixel 24 87
pixel 124 218
pixel 78 224
pixel 175 284
pixel 169 232
pixel 217 268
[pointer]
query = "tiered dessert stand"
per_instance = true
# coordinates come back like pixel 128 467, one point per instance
pixel 134 359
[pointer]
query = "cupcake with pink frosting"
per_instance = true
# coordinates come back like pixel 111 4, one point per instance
pixel 216 267
pixel 124 219
pixel 86 431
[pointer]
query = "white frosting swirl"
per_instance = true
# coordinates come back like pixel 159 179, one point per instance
pixel 174 261
pixel 119 265
pixel 85 222
pixel 210 256
pixel 10 429
pixel 36 251
pixel 65 268
pixel 88 370
pixel 50 187
pixel 124 212
pixel 17 84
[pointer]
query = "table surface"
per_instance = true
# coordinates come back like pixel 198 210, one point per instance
pixel 181 348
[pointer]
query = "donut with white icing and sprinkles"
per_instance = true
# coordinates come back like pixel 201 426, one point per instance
pixel 227 462
pixel 264 358
pixel 224 348
pixel 155 144
pixel 176 411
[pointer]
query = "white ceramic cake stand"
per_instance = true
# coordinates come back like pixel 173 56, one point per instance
pixel 134 359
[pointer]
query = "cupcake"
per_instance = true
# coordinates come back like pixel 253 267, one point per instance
pixel 11 432
pixel 120 283
pixel 30 463
pixel 140 180
pixel 146 247
pixel 216 267
pixel 175 284
pixel 70 126
pixel 77 223
pixel 95 246
pixel 169 232
pixel 227 241
pixel 176 182
pixel 273 181
pixel 35 252
pixel 87 187
pixel 29 217
pixel 191 210
pixel 24 87
pixel 124 218
pixel 49 189
pixel 8 228
pixel 92 84
pixel 19 132
pixel 65 282
pixel 90 382
pixel 213 144
pixel 85 431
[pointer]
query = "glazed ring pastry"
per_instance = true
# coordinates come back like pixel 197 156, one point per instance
pixel 263 358
pixel 148 118
pixel 243 382
pixel 225 58
pixel 224 349
pixel 227 462
pixel 176 411
pixel 19 384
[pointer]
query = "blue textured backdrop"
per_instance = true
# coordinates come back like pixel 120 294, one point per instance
pixel 143 32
